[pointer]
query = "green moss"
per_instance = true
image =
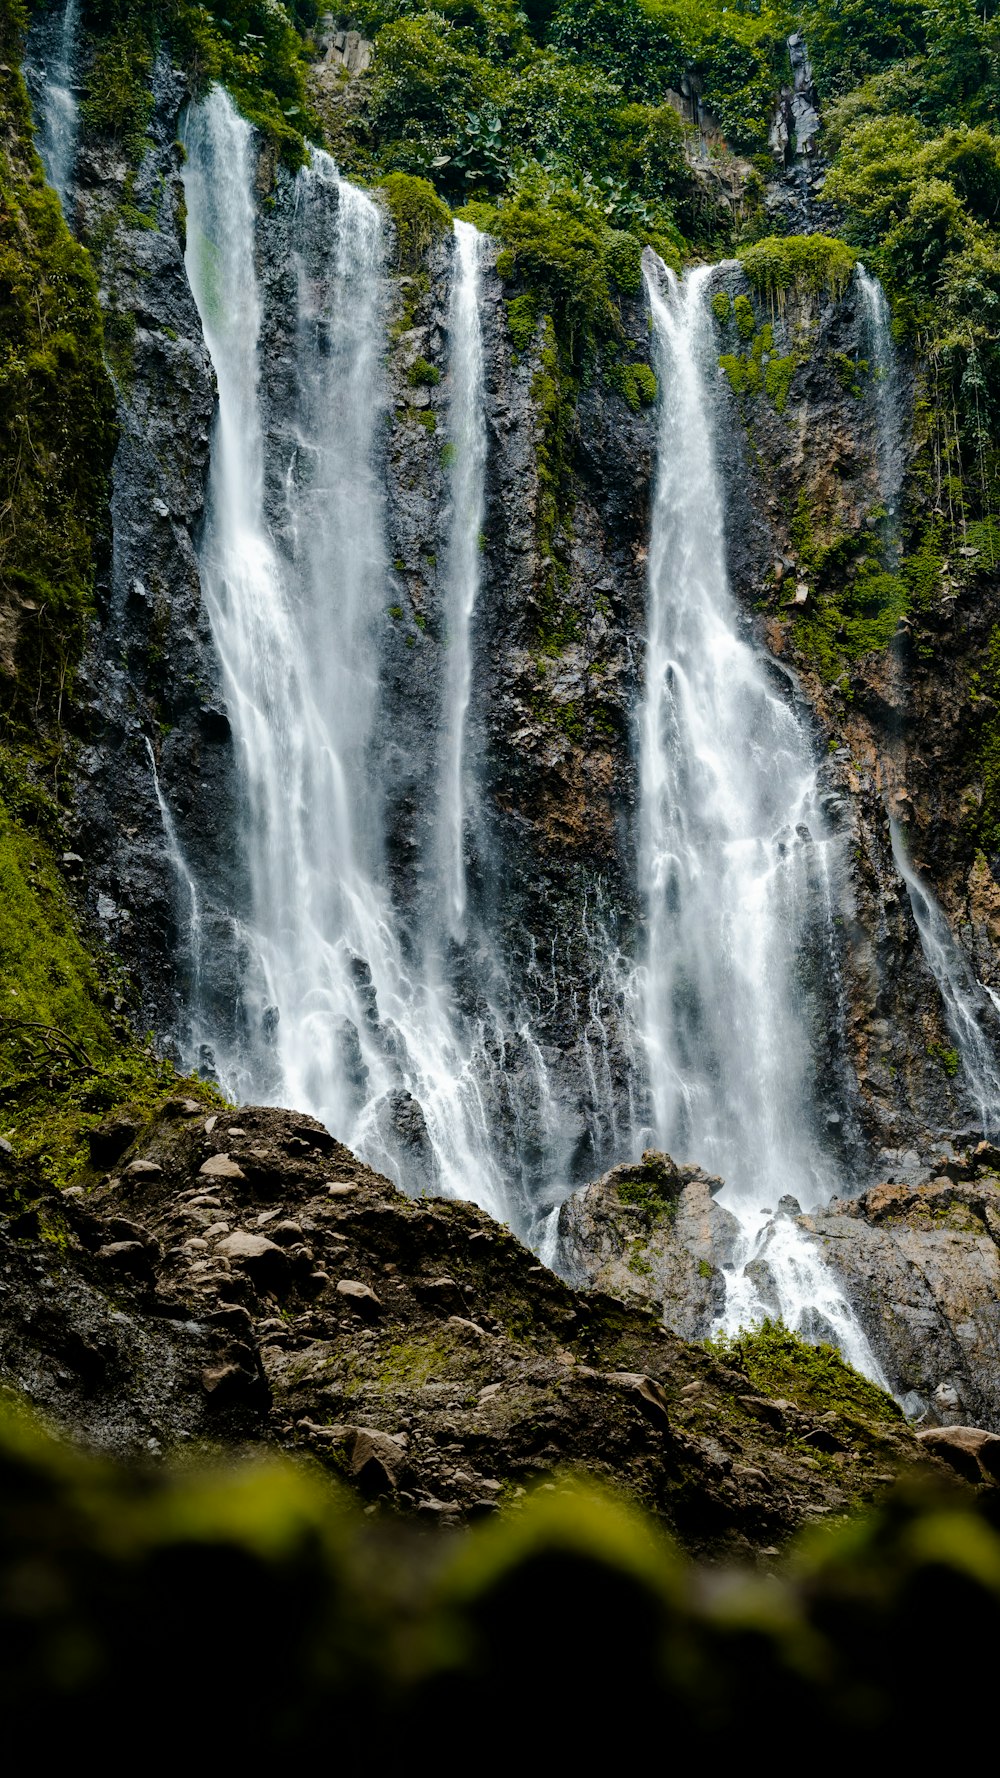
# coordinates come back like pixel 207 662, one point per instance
pixel 57 429
pixel 650 1188
pixel 421 373
pixel 948 1058
pixel 636 383
pixel 640 1263
pixel 744 373
pixel 704 1269
pixel 66 1061
pixel 777 1362
pixel 418 216
pixel 722 307
pixel 746 320
pixel 522 319
pixel 420 416
pixel 849 372
pixel 758 370
pixel 778 374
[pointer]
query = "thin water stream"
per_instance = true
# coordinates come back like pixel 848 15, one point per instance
pixel 59 123
pixel 971 1009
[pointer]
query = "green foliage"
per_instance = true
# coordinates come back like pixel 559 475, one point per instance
pixel 722 306
pixel 917 174
pixel 948 1058
pixel 119 101
pixel 252 46
pixel 65 1061
pixel 801 264
pixel 418 215
pixel 522 317
pixel 428 76
pixel 651 1188
pixel 849 372
pixel 383 1625
pixel 777 1362
pixel 57 430
pixel 758 370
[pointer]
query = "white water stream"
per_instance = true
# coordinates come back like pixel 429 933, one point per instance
pixel 737 864
pixel 467 445
pixel 970 1008
pixel 883 365
pixel 59 129
pixel 362 1033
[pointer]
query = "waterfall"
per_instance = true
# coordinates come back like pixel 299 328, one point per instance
pixel 890 430
pixel 968 1005
pixel 738 867
pixel 467 451
pixel 344 1019
pixel 59 123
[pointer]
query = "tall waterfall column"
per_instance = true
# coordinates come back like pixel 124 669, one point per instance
pixel 738 870
pixel 343 1020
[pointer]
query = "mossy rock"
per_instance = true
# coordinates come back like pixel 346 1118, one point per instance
pixel 419 217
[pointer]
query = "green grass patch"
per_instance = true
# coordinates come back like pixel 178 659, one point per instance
pixel 778 1363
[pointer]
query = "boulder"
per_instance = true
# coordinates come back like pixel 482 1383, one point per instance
pixel 265 1262
pixel 970 1450
pixel 361 1297
pixel 375 1461
pixel 221 1166
pixel 921 1266
pixel 654 1230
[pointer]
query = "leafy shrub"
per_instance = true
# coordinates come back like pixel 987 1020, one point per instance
pixel 636 383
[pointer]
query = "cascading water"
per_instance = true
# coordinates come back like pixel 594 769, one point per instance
pixel 357 1033
pixel 971 1009
pixel 467 446
pixel 889 406
pixel 59 121
pixel 737 863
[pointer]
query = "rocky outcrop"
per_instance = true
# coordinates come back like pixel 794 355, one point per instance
pixel 655 1233
pixel 251 1280
pixel 921 1266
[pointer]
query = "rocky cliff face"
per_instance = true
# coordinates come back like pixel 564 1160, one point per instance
pixel 149 688
pixel 553 722
pixel 556 680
